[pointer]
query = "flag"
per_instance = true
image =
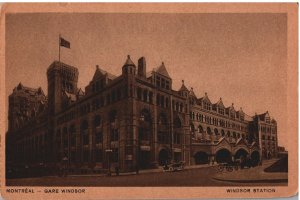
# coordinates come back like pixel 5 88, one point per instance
pixel 64 43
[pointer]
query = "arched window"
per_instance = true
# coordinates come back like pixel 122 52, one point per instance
pixel 234 134
pixel 200 129
pixel 177 106
pixel 208 131
pixel 216 131
pixel 223 133
pixel 158 99
pixel 162 119
pixel 228 133
pixel 163 135
pixel 181 107
pixel 84 132
pixel 145 116
pixel 112 116
pixel 192 127
pixel 145 95
pixel 177 123
pixel 97 121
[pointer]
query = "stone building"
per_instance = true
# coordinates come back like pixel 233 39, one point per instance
pixel 135 120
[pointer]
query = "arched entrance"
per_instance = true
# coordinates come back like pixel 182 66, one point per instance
pixel 223 156
pixel 164 157
pixel 255 157
pixel 240 153
pixel 201 158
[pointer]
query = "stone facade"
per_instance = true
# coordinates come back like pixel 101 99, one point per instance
pixel 135 120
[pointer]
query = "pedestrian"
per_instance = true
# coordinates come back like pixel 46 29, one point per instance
pixel 137 169
pixel 117 170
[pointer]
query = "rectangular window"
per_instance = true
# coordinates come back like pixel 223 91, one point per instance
pixel 98 155
pixel 150 97
pixel 86 155
pixel 114 135
pixel 157 81
pixel 163 83
pixel 115 155
pixel 99 137
pixel 167 85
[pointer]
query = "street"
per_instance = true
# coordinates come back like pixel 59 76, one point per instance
pixel 189 177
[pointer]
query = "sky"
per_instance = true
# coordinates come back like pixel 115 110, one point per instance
pixel 239 57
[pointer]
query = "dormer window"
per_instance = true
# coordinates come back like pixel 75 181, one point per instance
pixel 207 106
pixel 167 85
pixel 157 81
pixel 221 111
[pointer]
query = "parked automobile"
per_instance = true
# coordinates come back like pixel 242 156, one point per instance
pixel 176 166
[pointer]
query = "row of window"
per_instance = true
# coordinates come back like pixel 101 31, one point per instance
pixel 268 129
pixel 162 82
pixel 217 122
pixel 268 138
pixel 216 132
pixel 220 110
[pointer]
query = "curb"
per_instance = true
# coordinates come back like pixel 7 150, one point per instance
pixel 254 181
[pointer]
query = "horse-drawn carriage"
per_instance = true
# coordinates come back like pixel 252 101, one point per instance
pixel 176 166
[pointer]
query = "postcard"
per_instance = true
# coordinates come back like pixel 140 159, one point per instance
pixel 149 100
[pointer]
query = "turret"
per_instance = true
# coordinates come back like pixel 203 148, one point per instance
pixel 129 67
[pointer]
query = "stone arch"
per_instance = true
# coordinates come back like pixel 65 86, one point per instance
pixel 164 156
pixel 223 155
pixel 241 152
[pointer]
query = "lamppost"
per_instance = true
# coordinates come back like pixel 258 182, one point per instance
pixel 108 151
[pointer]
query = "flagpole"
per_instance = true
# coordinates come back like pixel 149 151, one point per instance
pixel 59 48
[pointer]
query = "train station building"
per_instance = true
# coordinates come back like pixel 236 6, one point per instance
pixel 134 120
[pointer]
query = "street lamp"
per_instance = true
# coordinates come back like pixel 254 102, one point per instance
pixel 108 151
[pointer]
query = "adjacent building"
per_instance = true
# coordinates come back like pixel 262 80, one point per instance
pixel 135 120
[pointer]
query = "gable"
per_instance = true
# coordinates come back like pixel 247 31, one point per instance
pixel 163 71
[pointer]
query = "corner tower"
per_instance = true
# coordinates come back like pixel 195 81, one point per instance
pixel 62 78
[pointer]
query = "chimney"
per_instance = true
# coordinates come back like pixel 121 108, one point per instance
pixel 142 67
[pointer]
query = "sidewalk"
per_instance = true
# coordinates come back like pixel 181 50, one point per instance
pixel 144 171
pixel 253 175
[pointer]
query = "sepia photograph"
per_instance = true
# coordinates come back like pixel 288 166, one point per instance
pixel 181 98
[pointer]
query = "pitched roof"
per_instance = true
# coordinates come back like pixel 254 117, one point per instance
pixel 205 98
pixel 30 91
pixel 192 93
pixel 230 107
pixel 80 92
pixel 263 116
pixel 129 61
pixel 99 73
pixel 72 97
pixel 183 88
pixel 162 70
pixel 220 103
